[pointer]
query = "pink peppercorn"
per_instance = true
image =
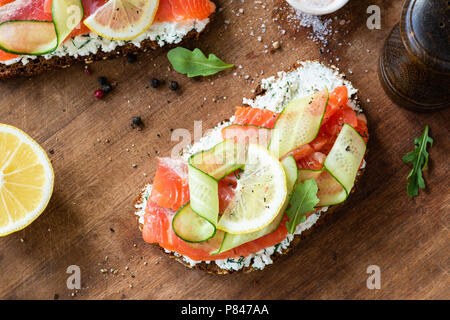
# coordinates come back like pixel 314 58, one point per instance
pixel 99 93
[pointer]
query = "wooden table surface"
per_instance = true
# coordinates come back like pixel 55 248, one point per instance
pixel 90 222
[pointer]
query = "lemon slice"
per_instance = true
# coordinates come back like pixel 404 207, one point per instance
pixel 123 19
pixel 26 180
pixel 260 193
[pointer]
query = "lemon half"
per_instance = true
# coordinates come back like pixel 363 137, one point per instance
pixel 123 19
pixel 26 180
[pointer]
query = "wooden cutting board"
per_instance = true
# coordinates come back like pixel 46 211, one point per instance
pixel 90 223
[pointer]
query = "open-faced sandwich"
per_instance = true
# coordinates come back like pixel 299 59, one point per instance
pixel 37 35
pixel 249 190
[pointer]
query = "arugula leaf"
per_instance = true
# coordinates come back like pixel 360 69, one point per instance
pixel 419 159
pixel 302 201
pixel 194 63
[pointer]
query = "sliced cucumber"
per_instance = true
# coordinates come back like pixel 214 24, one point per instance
pixel 291 170
pixel 28 37
pixel 33 37
pixel 345 157
pixel 67 15
pixel 330 190
pixel 221 160
pixel 205 169
pixel 231 241
pixel 298 123
pixel 204 194
pixel 211 245
pixel 190 227
pixel 337 177
pixel 307 174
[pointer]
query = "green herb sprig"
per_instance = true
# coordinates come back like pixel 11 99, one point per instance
pixel 195 63
pixel 419 159
pixel 303 200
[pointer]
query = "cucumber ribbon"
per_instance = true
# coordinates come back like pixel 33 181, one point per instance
pixel 197 220
pixel 337 177
pixel 32 37
pixel 299 124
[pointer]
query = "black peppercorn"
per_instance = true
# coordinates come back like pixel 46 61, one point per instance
pixel 131 58
pixel 106 87
pixel 173 85
pixel 102 81
pixel 136 122
pixel 154 83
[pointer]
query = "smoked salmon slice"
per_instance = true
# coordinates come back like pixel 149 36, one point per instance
pixel 246 134
pixel 3 2
pixel 158 229
pixel 24 10
pixel 176 10
pixel 256 117
pixel 5 56
pixel 170 187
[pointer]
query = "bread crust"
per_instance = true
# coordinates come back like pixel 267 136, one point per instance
pixel 40 64
pixel 213 268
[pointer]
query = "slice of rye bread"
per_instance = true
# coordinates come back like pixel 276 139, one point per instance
pixel 40 64
pixel 213 268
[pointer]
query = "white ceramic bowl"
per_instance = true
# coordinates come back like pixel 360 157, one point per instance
pixel 303 6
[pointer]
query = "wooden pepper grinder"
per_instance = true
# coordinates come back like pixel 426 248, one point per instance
pixel 415 62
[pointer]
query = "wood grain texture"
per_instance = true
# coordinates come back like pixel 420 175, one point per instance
pixel 95 147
